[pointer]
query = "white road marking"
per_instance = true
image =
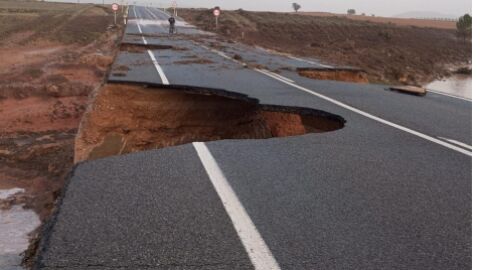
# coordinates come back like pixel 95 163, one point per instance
pixel 159 69
pixel 334 101
pixel 464 145
pixel 353 109
pixel 309 62
pixel 138 25
pixel 164 12
pixel 267 72
pixel 163 77
pixel 293 57
pixel 376 118
pixel 162 22
pixel 151 13
pixel 449 95
pixel 222 54
pixel 257 250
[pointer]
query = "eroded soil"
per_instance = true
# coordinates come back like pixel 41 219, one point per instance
pixel 127 118
pixel 334 74
pixel 53 57
pixel 387 52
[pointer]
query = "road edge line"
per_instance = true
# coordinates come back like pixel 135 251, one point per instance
pixel 449 95
pixel 257 250
pixel 459 143
pixel 376 118
pixel 277 75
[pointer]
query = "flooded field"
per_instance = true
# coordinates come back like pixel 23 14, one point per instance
pixel 458 85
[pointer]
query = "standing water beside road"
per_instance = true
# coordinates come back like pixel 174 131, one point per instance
pixel 16 223
pixel 458 85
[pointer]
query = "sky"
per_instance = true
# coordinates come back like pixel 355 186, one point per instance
pixel 377 7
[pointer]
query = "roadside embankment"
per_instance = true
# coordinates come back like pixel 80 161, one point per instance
pixel 387 52
pixel 53 56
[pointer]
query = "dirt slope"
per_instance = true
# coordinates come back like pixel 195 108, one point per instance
pixel 389 53
pixel 53 56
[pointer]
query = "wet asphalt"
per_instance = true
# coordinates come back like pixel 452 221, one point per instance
pixel 368 196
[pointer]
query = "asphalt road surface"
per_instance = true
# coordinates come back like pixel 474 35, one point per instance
pixel 391 190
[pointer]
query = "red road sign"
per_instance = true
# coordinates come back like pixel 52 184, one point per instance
pixel 114 7
pixel 216 12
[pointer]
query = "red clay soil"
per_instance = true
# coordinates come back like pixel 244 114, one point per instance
pixel 127 118
pixel 40 114
pixel 44 87
pixel 388 53
pixel 345 75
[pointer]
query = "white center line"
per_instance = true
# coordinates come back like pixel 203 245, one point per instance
pixel 222 54
pixel 157 18
pixel 159 69
pixel 257 250
pixel 138 25
pixel 151 14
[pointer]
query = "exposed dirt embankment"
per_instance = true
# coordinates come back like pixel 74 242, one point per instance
pixel 52 57
pixel 127 118
pixel 387 52
pixel 337 74
pixel 41 103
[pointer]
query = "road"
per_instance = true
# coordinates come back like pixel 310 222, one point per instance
pixel 391 190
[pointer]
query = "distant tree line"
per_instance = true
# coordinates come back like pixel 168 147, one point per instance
pixel 296 7
pixel 464 26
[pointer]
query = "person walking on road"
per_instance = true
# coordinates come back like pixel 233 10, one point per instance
pixel 171 20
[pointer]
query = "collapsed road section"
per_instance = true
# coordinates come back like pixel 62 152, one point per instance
pixel 128 117
pixel 345 74
pixel 140 48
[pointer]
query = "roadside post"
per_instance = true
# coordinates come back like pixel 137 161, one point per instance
pixel 174 6
pixel 115 8
pixel 216 13
pixel 125 15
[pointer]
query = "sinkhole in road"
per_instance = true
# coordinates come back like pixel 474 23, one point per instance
pixel 335 74
pixel 127 117
pixel 140 48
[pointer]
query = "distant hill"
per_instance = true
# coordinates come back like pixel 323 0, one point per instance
pixel 425 14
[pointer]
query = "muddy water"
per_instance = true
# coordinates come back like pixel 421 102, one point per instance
pixel 15 225
pixel 458 85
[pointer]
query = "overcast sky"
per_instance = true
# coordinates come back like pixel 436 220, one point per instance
pixel 377 7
